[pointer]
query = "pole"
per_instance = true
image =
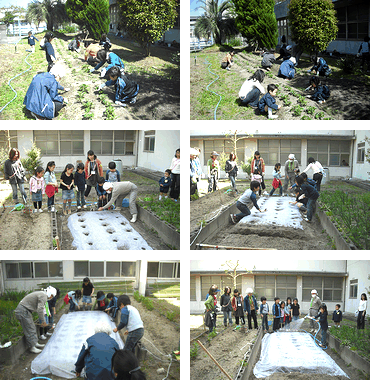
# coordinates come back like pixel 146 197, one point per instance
pixel 214 360
pixel 216 247
pixel 58 242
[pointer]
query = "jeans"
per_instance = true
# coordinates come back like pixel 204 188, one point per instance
pixel 252 98
pixel 72 306
pixel 132 338
pixel 289 181
pixel 244 211
pixel 295 317
pixel 273 190
pixel 212 183
pixel 265 323
pixel 276 325
pixel 311 207
pixel 50 202
pixel 232 179
pixel 227 314
pixel 361 320
pixel 80 198
pixel 21 189
pixel 323 337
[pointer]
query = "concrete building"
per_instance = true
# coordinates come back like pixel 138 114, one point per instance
pixel 353 23
pixel 337 281
pixel 341 152
pixel 26 275
pixel 21 27
pixel 149 149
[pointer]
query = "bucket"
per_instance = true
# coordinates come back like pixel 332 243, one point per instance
pixel 118 165
pixel 125 202
pixel 326 176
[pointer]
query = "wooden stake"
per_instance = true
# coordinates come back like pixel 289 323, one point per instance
pixel 214 360
pixel 58 242
pixel 216 247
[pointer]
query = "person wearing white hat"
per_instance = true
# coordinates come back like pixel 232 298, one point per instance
pixel 314 307
pixel 33 302
pixel 121 190
pixel 291 170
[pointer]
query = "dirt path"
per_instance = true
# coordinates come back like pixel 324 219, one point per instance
pixel 346 100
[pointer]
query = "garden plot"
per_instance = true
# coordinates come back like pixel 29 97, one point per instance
pixel 106 230
pixel 279 213
pixel 61 352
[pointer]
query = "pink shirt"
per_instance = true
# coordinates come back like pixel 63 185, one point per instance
pixel 37 184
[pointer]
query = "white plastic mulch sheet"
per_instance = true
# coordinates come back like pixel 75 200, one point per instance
pixel 60 354
pixel 288 352
pixel 98 230
pixel 279 213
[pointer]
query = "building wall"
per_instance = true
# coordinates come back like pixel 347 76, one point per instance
pixel 361 170
pixel 358 269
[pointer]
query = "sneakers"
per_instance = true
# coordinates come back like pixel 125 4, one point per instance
pixel 52 208
pixel 265 193
pixel 35 211
pixel 160 197
pixel 133 219
pixel 84 206
pixel 43 337
pixel 35 350
pixel 232 217
pixel 306 219
pixel 39 345
pixel 49 334
pixel 271 117
pixel 133 100
pixel 78 207
pixel 40 210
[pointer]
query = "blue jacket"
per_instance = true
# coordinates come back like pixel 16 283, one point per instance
pixel 276 310
pixel 323 320
pixel 49 50
pixel 112 176
pixel 31 40
pixel 269 101
pixel 100 191
pixel 287 69
pixel 321 93
pixel 96 355
pixel 309 191
pixel 321 67
pixel 113 302
pixel 80 180
pixel 126 89
pixel 113 60
pixel 40 95
pixel 247 306
pixel 165 181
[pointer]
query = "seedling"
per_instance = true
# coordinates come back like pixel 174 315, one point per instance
pixel 310 110
pixel 297 110
pixel 302 100
pixel 319 116
pixel 305 117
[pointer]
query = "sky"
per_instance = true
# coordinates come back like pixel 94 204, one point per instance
pixel 193 5
pixel 21 3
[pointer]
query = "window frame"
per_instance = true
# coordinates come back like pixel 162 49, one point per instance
pixel 149 141
pixel 49 136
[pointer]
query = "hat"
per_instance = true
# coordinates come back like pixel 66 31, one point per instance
pixel 107 186
pixel 50 291
pixel 249 290
pixel 214 153
pixel 194 152
pixel 58 70
pixel 291 157
pixel 292 59
pixel 313 291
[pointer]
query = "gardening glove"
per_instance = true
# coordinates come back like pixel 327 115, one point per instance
pixel 102 73
pixel 66 89
pixel 309 71
pixel 65 100
pixel 102 85
pixel 118 103
pixel 92 70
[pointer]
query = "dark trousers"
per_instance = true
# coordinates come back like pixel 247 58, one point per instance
pixel 175 186
pixel 252 314
pixel 50 201
pixel 241 319
pixel 317 177
pixel 276 325
pixel 265 323
pixel 132 339
pixel 311 208
pixel 212 183
pixel 244 211
pixel 252 98
pixel 361 320
pixel 35 204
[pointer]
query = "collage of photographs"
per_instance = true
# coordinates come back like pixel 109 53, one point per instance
pixel 292 183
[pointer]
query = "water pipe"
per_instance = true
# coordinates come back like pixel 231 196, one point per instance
pixel 36 378
pixel 314 337
pixel 209 65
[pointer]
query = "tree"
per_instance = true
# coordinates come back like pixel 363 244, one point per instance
pixel 313 23
pixel 233 139
pixel 8 19
pixel 216 20
pixel 92 15
pixel 231 269
pixel 147 20
pixel 35 13
pixel 53 12
pixel 256 21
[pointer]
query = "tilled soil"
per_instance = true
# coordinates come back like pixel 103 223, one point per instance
pixel 346 100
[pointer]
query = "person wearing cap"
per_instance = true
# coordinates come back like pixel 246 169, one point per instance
pixel 33 302
pixel 291 169
pixel 87 291
pixel 121 190
pixel 213 169
pixel 251 308
pixel 314 307
pixel 42 98
pixel 96 354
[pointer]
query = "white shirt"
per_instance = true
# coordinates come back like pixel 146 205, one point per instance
pixel 248 86
pixel 175 165
pixel 315 166
pixel 362 306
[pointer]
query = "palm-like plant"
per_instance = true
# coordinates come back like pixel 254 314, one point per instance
pixel 216 20
pixel 35 13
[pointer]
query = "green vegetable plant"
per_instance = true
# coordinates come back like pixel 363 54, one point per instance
pixel 320 115
pixel 297 110
pixel 310 110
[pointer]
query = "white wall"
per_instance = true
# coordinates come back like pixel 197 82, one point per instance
pixel 273 131
pixel 360 270
pixel 361 171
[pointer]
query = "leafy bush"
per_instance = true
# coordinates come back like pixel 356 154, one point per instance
pixel 194 351
pixel 246 166
pixel 320 115
pixel 348 64
pixel 33 159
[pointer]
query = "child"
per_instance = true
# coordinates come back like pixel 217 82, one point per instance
pixel 248 198
pixel 111 58
pixel 268 59
pixel 74 297
pixel 287 69
pixel 276 314
pixel 105 41
pixel 80 182
pixel 213 171
pixel 320 66
pixel 51 184
pixel 256 176
pixel 210 305
pixel 282 314
pixel 264 311
pixel 251 89
pixel 31 41
pixel 276 183
pixel 268 102
pixel 337 315
pixel 323 320
pixel 237 305
pixel 37 188
pixel 130 318
pixel 288 308
pixel 112 175
pixel 102 194
pixel 321 93
pixel 126 366
pixel 227 62
pixel 126 89
pixel 100 298
pixel 74 45
pixel 226 307
pixel 66 184
pixel 112 307
pixel 164 184
pixel 311 193
pixel 295 311
pixel 87 291
pixel 300 200
pixel 52 302
pixel 49 50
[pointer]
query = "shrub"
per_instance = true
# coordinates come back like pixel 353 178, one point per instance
pixel 347 64
pixel 194 351
pixel 33 159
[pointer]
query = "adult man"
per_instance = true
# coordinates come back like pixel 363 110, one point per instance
pixel 33 302
pixel 314 307
pixel 291 169
pixel 250 307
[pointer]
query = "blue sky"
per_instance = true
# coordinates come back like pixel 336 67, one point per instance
pixel 193 5
pixel 21 3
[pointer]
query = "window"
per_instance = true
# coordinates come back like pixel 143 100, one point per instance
pixel 7 135
pixel 276 286
pixel 12 270
pixel 353 21
pixel 339 152
pixel 55 269
pixel 221 281
pixel 41 269
pixel 152 270
pixel 97 268
pixel 105 269
pixel 113 142
pixel 128 269
pixel 60 143
pixel 319 150
pixel 273 151
pixel 193 293
pixel 335 151
pixel 113 268
pixel 361 153
pixel 34 270
pixel 163 270
pixel 328 288
pixel 353 288
pixel 25 270
pixel 224 146
pixel 149 141
pixel 81 268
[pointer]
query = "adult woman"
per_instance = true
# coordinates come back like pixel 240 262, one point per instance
pixel 361 312
pixel 227 62
pixel 93 170
pixel 15 173
pixel 317 171
pixel 175 176
pixel 258 164
pixel 231 169
pixel 251 90
pixel 213 168
pixel 250 308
